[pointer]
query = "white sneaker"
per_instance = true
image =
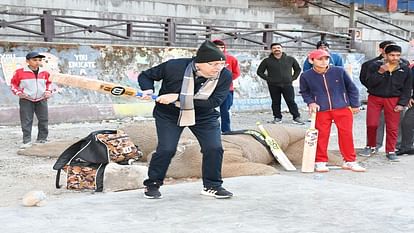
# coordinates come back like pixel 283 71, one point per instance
pixel 25 145
pixel 321 167
pixel 353 166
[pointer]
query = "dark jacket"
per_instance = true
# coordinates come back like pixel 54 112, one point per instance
pixel 364 68
pixel 332 90
pixel 279 71
pixel 172 73
pixel 397 83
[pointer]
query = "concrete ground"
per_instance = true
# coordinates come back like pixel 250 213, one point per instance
pixel 379 200
pixel 261 204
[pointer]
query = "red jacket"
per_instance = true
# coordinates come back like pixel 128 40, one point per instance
pixel 232 65
pixel 26 81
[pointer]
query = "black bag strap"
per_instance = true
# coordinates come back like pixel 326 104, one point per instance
pixel 254 133
pixel 68 154
pixel 57 182
pixel 99 178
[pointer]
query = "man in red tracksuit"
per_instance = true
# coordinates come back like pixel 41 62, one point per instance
pixel 329 91
pixel 32 84
pixel 233 66
pixel 389 84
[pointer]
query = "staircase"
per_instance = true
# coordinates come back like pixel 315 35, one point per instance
pixel 287 17
pixel 373 31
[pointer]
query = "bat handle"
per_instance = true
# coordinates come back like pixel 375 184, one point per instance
pixel 262 129
pixel 139 94
pixel 313 119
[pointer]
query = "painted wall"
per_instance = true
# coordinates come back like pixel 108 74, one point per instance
pixel 122 64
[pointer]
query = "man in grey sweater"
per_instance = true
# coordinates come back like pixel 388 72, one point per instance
pixel 277 71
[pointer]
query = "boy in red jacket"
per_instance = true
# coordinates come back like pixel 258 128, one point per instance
pixel 32 84
pixel 233 65
pixel 330 92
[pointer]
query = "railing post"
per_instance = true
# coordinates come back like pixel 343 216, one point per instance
pixel 267 37
pixel 323 37
pixel 47 25
pixel 208 30
pixel 129 30
pixel 353 7
pixel 170 32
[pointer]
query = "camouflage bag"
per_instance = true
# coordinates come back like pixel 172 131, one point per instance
pixel 120 147
pixel 84 162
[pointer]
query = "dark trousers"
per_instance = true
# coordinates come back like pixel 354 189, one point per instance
pixel 407 127
pixel 225 112
pixel 207 132
pixel 380 131
pixel 288 93
pixel 27 110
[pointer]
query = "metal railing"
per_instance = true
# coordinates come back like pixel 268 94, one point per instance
pixel 320 5
pixel 62 28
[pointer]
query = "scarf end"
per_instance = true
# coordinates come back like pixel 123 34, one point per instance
pixel 187 118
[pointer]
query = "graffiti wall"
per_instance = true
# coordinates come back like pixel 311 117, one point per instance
pixel 122 64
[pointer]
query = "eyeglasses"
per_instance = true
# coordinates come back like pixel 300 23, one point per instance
pixel 217 65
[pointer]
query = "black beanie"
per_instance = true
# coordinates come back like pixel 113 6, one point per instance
pixel 392 48
pixel 207 52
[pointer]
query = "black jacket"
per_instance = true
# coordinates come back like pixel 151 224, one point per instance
pixel 364 68
pixel 279 71
pixel 397 83
pixel 172 73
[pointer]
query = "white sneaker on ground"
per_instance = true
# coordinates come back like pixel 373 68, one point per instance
pixel 353 166
pixel 321 167
pixel 25 145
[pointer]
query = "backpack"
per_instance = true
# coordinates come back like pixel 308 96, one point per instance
pixel 84 162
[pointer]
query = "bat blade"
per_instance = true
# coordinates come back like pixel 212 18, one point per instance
pixel 309 147
pixel 277 152
pixel 94 85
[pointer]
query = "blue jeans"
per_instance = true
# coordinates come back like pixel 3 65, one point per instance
pixel 225 112
pixel 207 132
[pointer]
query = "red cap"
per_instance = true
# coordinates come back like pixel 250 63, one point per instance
pixel 318 53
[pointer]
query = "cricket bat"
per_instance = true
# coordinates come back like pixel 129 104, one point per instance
pixel 96 85
pixel 309 147
pixel 276 150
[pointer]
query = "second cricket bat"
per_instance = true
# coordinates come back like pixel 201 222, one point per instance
pixel 275 149
pixel 309 148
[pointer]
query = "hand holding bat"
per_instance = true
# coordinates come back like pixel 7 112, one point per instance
pixel 167 98
pixel 145 94
pixel 313 107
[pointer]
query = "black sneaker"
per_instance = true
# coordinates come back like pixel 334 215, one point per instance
pixel 298 121
pixel 391 156
pixel 405 152
pixel 217 192
pixel 152 192
pixel 276 120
